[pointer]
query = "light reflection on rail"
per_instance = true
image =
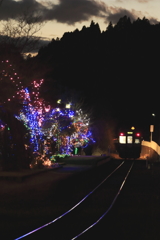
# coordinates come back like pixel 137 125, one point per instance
pixel 71 209
pixel 114 200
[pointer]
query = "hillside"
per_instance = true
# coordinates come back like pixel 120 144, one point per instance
pixel 115 72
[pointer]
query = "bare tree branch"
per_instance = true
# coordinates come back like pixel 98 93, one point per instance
pixel 22 31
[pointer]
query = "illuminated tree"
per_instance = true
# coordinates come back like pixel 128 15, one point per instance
pixel 58 126
pixel 17 37
pixel 33 112
pixel 68 128
pixel 22 108
pixel 11 88
pixel 13 97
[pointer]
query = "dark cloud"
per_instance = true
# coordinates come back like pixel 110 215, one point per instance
pixel 67 11
pixel 153 20
pixel 13 9
pixel 114 14
pixel 72 11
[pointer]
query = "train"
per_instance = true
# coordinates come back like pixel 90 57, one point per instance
pixel 129 143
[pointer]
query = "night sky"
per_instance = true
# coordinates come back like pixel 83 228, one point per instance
pixel 66 15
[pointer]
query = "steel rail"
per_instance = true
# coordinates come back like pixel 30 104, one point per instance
pixel 114 200
pixel 71 209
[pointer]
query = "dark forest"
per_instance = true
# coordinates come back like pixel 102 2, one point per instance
pixel 115 73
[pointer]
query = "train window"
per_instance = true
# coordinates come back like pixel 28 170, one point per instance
pixel 122 139
pixel 129 139
pixel 137 140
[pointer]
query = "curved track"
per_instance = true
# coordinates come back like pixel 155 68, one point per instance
pixel 88 211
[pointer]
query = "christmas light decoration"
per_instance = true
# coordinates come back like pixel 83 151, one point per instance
pixel 58 123
pixel 10 76
pixel 32 115
pixel 2 125
pixel 66 129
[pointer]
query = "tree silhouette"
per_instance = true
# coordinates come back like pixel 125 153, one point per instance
pixel 21 32
pixel 109 68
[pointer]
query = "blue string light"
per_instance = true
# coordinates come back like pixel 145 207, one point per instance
pixel 56 124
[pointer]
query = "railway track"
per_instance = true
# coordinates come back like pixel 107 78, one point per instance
pixel 88 212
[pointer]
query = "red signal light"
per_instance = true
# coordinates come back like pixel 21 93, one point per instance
pixel 121 134
pixel 137 134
